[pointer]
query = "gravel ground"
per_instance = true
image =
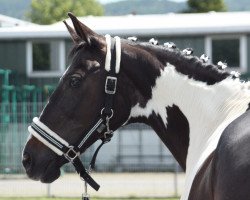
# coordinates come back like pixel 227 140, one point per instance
pixel 112 185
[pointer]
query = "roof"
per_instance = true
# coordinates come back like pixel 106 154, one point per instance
pixel 6 21
pixel 144 25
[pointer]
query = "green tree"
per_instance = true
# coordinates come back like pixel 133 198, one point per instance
pixel 51 11
pixel 200 6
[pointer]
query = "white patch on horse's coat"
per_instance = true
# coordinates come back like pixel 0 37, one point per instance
pixel 208 108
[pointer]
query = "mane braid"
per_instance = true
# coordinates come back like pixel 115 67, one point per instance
pixel 189 65
pixel 194 68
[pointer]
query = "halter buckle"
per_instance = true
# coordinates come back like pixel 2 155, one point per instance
pixel 110 85
pixel 71 154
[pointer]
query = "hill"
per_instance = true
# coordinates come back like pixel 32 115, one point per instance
pixel 239 5
pixel 18 8
pixel 143 7
pixel 162 6
pixel 14 8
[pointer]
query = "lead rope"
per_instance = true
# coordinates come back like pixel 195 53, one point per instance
pixel 86 196
pixel 107 138
pixel 112 67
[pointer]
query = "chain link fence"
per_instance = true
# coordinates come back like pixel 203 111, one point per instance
pixel 134 149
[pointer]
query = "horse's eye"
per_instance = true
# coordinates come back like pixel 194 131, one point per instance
pixel 75 81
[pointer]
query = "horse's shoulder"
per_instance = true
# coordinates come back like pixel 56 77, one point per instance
pixel 202 186
pixel 231 162
pixel 235 138
pixel 237 130
pixel 227 168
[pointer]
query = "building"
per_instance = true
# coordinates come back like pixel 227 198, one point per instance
pixel 222 36
pixel 38 55
pixel 6 21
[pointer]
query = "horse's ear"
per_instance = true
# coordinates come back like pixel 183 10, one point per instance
pixel 85 33
pixel 76 39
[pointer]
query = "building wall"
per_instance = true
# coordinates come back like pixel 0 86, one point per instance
pixel 248 54
pixel 13 55
pixel 196 43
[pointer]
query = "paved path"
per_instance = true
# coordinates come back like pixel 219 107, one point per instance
pixel 112 185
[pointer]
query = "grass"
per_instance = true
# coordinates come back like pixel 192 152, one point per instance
pixel 56 198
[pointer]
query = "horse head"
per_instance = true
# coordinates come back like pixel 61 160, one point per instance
pixel 75 105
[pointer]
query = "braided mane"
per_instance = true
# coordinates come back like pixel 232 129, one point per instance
pixel 189 65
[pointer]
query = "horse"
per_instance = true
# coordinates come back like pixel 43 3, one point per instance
pixel 199 110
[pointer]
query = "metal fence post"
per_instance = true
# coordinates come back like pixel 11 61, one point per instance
pixel 176 168
pixel 49 190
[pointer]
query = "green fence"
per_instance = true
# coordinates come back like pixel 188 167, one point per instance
pixel 15 119
pixel 135 148
pixel 18 105
pixel 11 93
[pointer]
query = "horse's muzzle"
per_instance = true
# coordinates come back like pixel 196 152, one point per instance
pixel 43 166
pixel 27 161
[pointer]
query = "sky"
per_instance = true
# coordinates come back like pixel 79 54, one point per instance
pixel 110 1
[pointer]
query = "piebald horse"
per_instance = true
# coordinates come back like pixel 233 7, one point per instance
pixel 199 111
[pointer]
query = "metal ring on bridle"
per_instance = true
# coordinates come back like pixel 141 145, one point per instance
pixel 109 117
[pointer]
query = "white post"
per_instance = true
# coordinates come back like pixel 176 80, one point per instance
pixel 175 178
pixel 48 190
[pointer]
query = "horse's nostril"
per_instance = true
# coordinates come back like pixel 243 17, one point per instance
pixel 27 161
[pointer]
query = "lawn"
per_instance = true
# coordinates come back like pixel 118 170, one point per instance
pixel 55 198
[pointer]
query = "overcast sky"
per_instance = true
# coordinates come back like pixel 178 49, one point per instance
pixel 109 1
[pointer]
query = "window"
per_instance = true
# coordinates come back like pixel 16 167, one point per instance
pixel 45 58
pixel 229 49
pixel 41 56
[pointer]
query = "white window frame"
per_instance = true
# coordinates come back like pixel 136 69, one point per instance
pixel 243 49
pixel 29 60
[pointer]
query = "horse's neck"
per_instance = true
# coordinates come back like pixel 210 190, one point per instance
pixel 208 109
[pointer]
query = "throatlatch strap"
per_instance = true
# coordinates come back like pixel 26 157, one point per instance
pixel 104 141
